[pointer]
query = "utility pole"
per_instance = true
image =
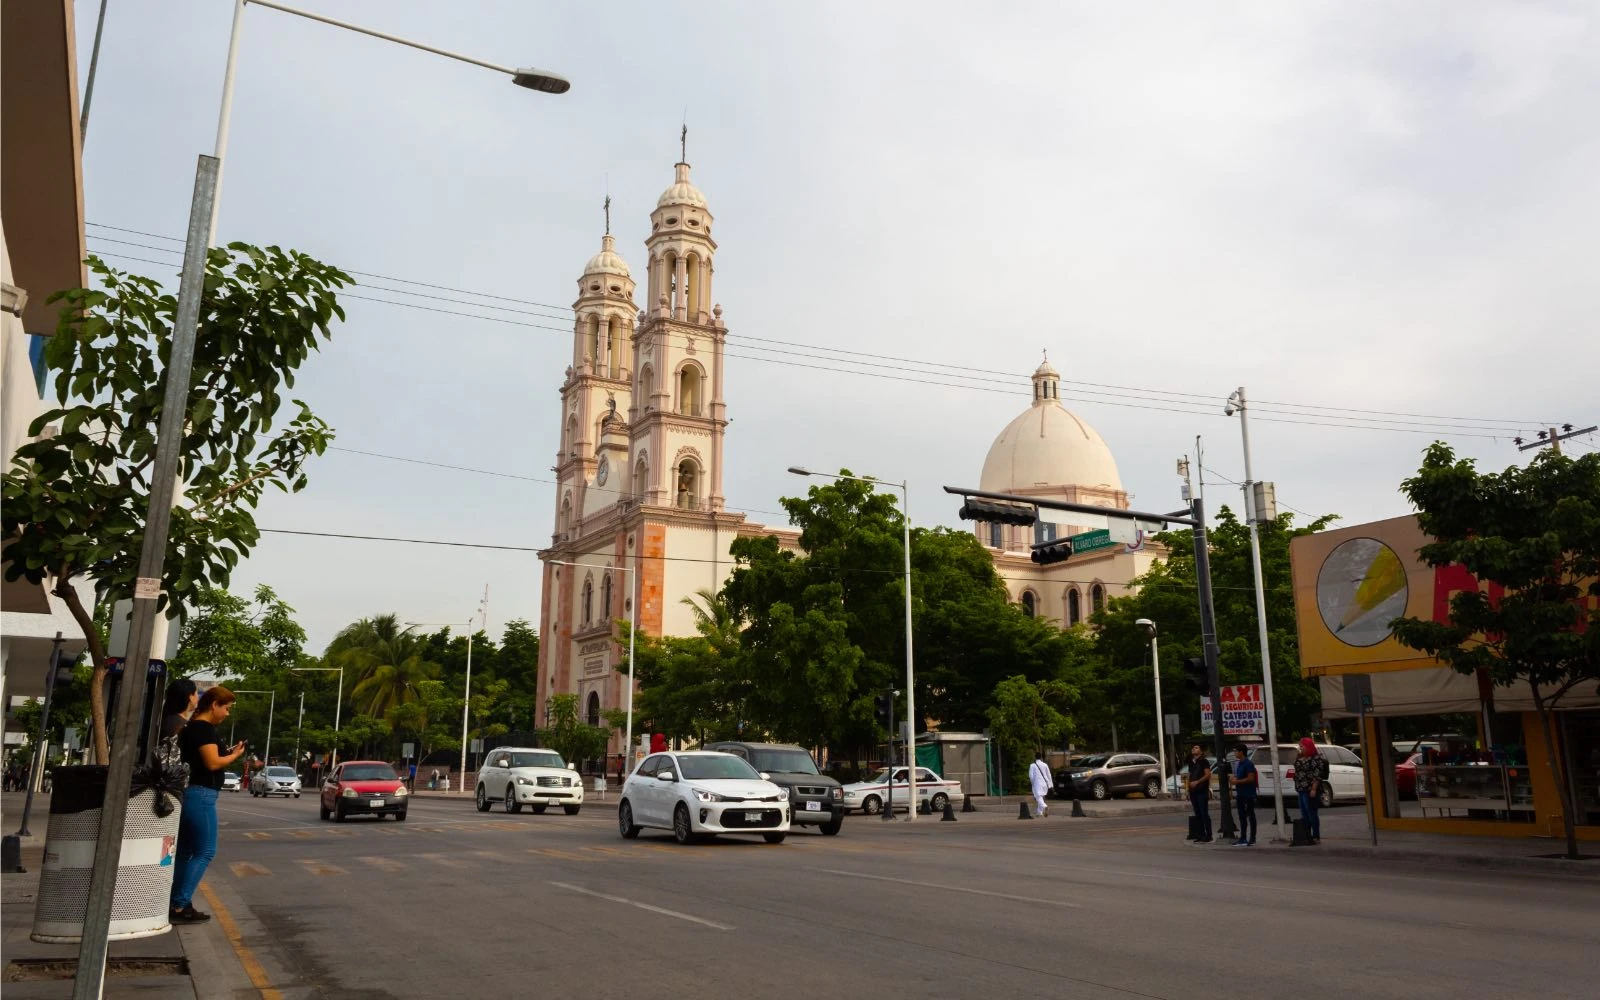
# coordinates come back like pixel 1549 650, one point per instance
pixel 1208 636
pixel 1553 439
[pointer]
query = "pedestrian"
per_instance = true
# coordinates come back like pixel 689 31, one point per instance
pixel 201 745
pixel 1199 786
pixel 1310 771
pixel 411 780
pixel 1245 781
pixel 1040 779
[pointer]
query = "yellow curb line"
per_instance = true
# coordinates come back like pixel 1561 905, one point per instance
pixel 252 967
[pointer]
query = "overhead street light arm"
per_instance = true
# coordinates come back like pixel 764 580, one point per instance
pixel 1078 508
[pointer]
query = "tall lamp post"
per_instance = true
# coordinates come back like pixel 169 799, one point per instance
pixel 1236 403
pixel 337 705
pixel 271 707
pixel 911 690
pixel 466 695
pixel 90 980
pixel 633 628
pixel 1161 719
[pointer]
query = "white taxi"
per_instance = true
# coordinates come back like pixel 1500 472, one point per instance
pixel 873 795
pixel 528 776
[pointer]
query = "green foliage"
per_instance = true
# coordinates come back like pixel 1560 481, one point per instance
pixel 568 735
pixel 431 719
pixel 229 636
pixel 76 502
pixel 383 663
pixel 1026 718
pixel 1534 533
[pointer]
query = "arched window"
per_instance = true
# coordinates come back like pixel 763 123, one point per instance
pixel 674 293
pixel 1097 599
pixel 614 342
pixel 594 341
pixel 996 535
pixel 641 477
pixel 1029 607
pixel 647 376
pixel 1074 607
pixel 689 379
pixel 694 286
pixel 594 708
pixel 566 516
pixel 605 597
pixel 588 601
pixel 687 489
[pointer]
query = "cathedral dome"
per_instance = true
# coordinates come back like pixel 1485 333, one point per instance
pixel 1048 445
pixel 682 191
pixel 607 261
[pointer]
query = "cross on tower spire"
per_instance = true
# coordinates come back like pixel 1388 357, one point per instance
pixel 683 144
pixel 608 215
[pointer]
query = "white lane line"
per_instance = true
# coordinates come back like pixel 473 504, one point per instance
pixel 1211 881
pixel 643 906
pixel 953 888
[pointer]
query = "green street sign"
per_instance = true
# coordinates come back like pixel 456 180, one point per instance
pixel 1089 541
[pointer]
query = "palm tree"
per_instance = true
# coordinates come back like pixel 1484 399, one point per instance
pixel 385 661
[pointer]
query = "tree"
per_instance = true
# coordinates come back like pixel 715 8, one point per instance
pixel 384 661
pixel 517 663
pixel 570 736
pixel 234 637
pixel 1535 533
pixel 76 502
pixel 429 718
pixel 1025 718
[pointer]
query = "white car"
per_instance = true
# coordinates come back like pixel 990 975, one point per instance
pixel 1346 781
pixel 275 780
pixel 528 776
pixel 699 793
pixel 230 781
pixel 872 795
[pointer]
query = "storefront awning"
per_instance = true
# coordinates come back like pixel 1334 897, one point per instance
pixel 1438 690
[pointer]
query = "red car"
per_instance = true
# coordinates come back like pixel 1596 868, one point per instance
pixel 363 787
pixel 1405 776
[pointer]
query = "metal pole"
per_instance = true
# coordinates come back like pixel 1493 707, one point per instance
pixel 509 71
pixel 338 705
pixel 299 725
pixel 465 703
pixel 272 706
pixel 911 690
pixel 34 770
pixel 888 810
pixel 88 86
pixel 90 979
pixel 226 113
pixel 1261 613
pixel 1208 631
pixel 1161 719
pixel 633 628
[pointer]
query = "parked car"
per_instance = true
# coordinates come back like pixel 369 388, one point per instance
pixel 1345 777
pixel 1405 776
pixel 518 776
pixel 275 779
pixel 1178 784
pixel 367 787
pixel 700 793
pixel 230 781
pixel 814 798
pixel 1108 775
pixel 872 795
pixel 1061 785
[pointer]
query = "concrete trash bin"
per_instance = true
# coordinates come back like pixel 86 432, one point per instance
pixel 144 875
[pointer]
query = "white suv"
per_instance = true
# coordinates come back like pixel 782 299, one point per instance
pixel 518 776
pixel 1345 776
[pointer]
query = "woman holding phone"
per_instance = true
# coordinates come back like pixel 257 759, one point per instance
pixel 201 745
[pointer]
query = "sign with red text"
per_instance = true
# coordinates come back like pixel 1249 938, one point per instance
pixel 1244 712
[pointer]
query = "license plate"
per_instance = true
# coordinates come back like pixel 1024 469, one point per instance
pixel 754 817
pixel 376 803
pixel 813 807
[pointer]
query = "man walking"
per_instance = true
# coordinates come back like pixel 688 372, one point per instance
pixel 1199 785
pixel 1245 780
pixel 1039 778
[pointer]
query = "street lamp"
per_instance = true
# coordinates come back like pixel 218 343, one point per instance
pixel 1236 403
pixel 337 705
pixel 633 628
pixel 271 707
pixel 911 691
pixel 1161 720
pixel 466 696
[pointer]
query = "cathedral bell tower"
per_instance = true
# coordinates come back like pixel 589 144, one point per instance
pixel 678 416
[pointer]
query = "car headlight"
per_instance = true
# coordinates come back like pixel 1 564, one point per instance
pixel 525 781
pixel 705 796
pixel 849 795
pixel 348 793
pixel 838 793
pixel 785 794
pixel 401 792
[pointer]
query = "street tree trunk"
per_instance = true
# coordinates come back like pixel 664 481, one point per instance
pixel 1547 721
pixel 97 655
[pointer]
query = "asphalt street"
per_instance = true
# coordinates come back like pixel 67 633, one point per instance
pixel 455 903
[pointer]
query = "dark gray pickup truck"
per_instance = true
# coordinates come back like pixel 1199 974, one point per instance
pixel 814 799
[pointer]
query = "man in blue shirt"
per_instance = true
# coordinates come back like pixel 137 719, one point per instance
pixel 1245 780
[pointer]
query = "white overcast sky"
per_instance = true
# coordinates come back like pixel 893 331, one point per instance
pixel 1383 207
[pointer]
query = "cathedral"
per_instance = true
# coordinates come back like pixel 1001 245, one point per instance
pixel 640 520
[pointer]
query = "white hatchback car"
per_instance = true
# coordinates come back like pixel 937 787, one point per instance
pixel 518 776
pixel 702 792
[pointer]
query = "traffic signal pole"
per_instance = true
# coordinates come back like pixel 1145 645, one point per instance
pixel 1208 638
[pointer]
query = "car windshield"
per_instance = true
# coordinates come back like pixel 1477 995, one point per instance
pixel 701 768
pixel 370 772
pixel 789 761
pixel 281 772
pixel 537 760
pixel 1098 760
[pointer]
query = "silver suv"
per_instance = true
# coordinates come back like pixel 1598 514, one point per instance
pixel 1107 775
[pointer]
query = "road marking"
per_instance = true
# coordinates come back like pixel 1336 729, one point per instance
pixel 953 888
pixel 300 834
pixel 252 966
pixel 443 859
pixel 247 869
pixel 496 825
pixel 1211 881
pixel 560 855
pixel 321 867
pixel 615 852
pixel 259 835
pixel 644 906
pixel 383 864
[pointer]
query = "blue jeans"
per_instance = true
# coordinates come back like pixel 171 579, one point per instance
pixel 1200 799
pixel 1247 818
pixel 197 843
pixel 1309 804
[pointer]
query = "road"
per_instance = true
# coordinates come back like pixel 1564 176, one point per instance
pixel 456 903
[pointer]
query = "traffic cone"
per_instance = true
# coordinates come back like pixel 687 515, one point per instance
pixel 1077 808
pixel 1022 810
pixel 949 814
pixel 966 804
pixel 923 808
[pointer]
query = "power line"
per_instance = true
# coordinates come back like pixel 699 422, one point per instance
pixel 1206 468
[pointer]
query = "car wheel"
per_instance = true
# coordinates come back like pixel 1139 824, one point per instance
pixel 322 811
pixel 511 803
pixel 338 812
pixel 682 829
pixel 832 827
pixel 1100 791
pixel 400 817
pixel 483 799
pixel 571 810
pixel 776 837
pixel 1325 796
pixel 625 824
pixel 1152 788
pixel 872 805
pixel 297 795
pixel 938 802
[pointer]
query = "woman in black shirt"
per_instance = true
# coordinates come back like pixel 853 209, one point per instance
pixel 201 745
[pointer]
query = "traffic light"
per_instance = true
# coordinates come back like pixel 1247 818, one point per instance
pixel 997 512
pixel 1045 553
pixel 1196 677
pixel 885 706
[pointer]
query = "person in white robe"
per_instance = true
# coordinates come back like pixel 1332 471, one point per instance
pixel 1040 779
